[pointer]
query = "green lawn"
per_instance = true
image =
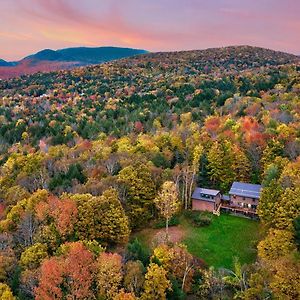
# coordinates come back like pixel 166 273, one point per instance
pixel 226 237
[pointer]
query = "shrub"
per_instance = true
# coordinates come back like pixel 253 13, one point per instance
pixel 137 251
pixel 174 221
pixel 202 220
pixel 198 218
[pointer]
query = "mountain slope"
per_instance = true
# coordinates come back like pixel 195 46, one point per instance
pixel 85 55
pixel 230 58
pixel 4 63
pixel 143 88
pixel 51 60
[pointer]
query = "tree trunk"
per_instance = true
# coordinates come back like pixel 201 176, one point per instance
pixel 191 186
pixel 186 272
pixel 186 190
pixel 167 229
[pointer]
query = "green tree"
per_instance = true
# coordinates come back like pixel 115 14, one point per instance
pixel 140 189
pixel 101 218
pixel 137 251
pixel 277 243
pixel 15 194
pixel 288 208
pixel 258 286
pixel 268 203
pixel 297 231
pixel 273 150
pixel 32 257
pixel 220 164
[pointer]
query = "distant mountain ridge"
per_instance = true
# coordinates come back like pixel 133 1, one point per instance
pixel 52 60
pixel 4 63
pixel 85 54
pixel 231 58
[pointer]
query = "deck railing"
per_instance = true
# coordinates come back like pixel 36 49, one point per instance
pixel 238 208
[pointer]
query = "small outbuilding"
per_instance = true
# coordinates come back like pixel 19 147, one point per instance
pixel 206 199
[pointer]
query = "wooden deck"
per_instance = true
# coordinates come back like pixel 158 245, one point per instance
pixel 238 209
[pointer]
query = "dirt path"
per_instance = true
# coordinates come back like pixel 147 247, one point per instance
pixel 154 237
pixel 176 234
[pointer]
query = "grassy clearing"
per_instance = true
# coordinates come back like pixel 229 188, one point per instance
pixel 226 237
pixel 217 244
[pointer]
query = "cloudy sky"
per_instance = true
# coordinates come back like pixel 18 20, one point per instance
pixel 27 26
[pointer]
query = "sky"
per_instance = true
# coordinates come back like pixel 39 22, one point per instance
pixel 27 26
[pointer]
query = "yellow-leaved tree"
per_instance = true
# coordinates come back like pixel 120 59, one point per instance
pixel 156 283
pixel 167 202
pixel 5 292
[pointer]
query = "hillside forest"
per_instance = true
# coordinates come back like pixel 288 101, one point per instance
pixel 89 157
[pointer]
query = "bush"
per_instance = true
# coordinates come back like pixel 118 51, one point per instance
pixel 202 220
pixel 159 160
pixel 137 251
pixel 174 221
pixel 176 293
pixel 197 218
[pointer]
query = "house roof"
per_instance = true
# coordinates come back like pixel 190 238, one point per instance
pixel 245 190
pixel 225 197
pixel 198 191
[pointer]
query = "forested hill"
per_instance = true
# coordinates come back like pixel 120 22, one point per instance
pixel 227 58
pixel 189 63
pixel 112 97
pixel 86 55
pixel 89 157
pixel 52 60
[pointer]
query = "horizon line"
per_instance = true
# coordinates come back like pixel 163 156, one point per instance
pixel 148 51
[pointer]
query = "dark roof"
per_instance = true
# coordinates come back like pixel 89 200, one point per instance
pixel 245 190
pixel 225 197
pixel 198 191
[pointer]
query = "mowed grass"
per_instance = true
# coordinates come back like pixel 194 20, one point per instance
pixel 225 238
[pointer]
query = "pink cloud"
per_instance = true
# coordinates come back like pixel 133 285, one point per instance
pixel 30 25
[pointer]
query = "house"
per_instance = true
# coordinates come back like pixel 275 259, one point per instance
pixel 206 199
pixel 243 198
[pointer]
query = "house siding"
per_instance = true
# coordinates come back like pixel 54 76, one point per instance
pixel 203 205
pixel 243 198
pixel 218 199
pixel 239 199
